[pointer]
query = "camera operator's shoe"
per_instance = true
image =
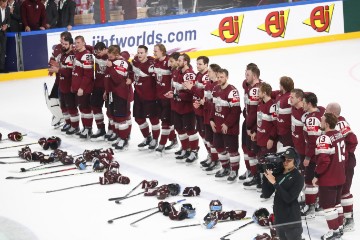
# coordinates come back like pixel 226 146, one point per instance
pixel 232 177
pixel 222 174
pixel 349 224
pixel 309 213
pixel 332 235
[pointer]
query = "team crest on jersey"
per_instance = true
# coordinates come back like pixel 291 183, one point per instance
pixel 121 67
pixel 189 77
pixel 259 118
pixel 234 96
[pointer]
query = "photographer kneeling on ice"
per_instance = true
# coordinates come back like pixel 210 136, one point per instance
pixel 287 184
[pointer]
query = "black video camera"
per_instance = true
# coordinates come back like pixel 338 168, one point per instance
pixel 272 161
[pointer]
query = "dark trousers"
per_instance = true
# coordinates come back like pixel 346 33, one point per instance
pixel 289 233
pixel 2 49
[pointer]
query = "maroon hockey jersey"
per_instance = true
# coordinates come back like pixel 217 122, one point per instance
pixel 251 102
pixel 350 138
pixel 65 71
pixel 55 56
pixel 144 81
pixel 163 76
pixel 226 109
pixel 283 113
pixel 115 78
pixel 100 68
pixel 83 72
pixel 208 104
pixel 202 79
pixel 182 103
pixel 266 118
pixel 298 117
pixel 312 131
pixel 330 159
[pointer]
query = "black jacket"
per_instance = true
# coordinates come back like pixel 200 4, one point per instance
pixel 66 14
pixel 6 18
pixel 51 13
pixel 15 18
pixel 286 206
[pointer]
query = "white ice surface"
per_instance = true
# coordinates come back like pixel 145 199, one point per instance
pixel 331 70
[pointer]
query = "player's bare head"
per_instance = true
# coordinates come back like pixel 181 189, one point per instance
pixel 79 43
pixel 287 83
pixel 142 52
pixel 64 35
pixel 67 43
pixel 145 48
pixel 173 59
pixel 252 73
pixel 222 76
pixel 213 70
pixel 113 52
pixel 265 88
pixel 204 59
pixel 159 50
pixel 250 65
pixel 99 49
pixel 311 98
pixel 183 60
pixel 296 97
pixel 334 108
pixel 330 120
pixel 298 93
pixel 202 63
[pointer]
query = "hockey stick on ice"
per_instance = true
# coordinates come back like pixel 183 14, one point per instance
pixel 149 215
pixel 9 157
pixel 73 174
pixel 199 224
pixel 19 145
pixel 40 174
pixel 242 226
pixel 62 189
pixel 14 162
pixel 118 199
pixel 130 214
pixel 129 192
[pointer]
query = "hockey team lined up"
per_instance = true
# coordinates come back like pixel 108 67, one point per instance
pixel 170 99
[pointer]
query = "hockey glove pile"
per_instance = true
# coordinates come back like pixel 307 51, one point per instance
pixel 113 177
pixel 149 184
pixel 191 191
pixel 51 142
pixel 15 136
pixel 261 217
pixel 210 220
pixel 80 163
